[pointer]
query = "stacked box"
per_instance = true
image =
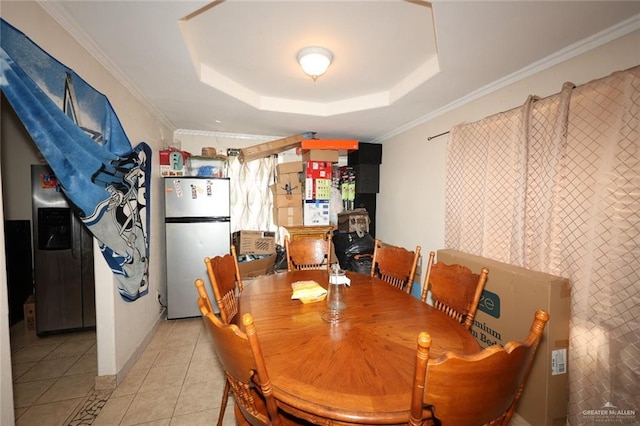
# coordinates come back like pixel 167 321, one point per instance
pixel 173 162
pixel 288 216
pixel 254 242
pixel 330 155
pixel 287 194
pixel 318 176
pixel 290 167
pixel 329 144
pixel 316 212
pixel 317 192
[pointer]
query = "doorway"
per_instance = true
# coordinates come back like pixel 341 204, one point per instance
pixel 18 152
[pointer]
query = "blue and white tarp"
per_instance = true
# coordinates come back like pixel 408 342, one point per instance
pixel 80 136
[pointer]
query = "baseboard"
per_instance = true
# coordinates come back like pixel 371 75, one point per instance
pixel 107 382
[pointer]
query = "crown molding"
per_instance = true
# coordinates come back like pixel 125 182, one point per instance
pixel 204 133
pixel 57 11
pixel 571 51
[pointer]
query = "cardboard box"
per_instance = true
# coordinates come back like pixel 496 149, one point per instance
pixel 318 169
pixel 29 309
pixel 317 189
pixel 254 242
pixel 256 267
pixel 337 144
pixel 272 147
pixel 356 220
pixel 293 200
pixel 316 212
pixel 173 162
pixel 291 179
pixel 329 155
pixel 507 307
pixel 290 167
pixel 285 189
pixel 288 216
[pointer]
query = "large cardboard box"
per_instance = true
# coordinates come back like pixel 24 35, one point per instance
pixel 288 216
pixel 272 147
pixel 254 242
pixel 285 189
pixel 329 155
pixel 290 167
pixel 507 307
pixel 284 200
pixel 290 180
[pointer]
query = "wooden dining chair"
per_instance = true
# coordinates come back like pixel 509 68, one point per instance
pixel 395 265
pixel 225 279
pixel 472 390
pixel 308 253
pixel 243 364
pixel 455 289
pixel 202 293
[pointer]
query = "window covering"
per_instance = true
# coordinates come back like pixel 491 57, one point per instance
pixel 554 186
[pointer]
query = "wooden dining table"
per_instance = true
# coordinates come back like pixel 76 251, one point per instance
pixel 357 371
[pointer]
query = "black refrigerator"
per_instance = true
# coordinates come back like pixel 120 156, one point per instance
pixel 62 259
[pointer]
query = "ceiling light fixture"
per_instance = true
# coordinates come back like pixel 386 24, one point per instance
pixel 314 60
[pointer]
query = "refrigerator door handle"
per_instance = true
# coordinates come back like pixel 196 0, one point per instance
pixel 76 236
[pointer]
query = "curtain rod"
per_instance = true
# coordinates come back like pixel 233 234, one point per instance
pixel 536 98
pixel 438 135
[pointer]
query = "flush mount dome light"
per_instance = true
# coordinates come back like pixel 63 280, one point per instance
pixel 314 60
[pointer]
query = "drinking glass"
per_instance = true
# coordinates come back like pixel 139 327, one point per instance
pixel 336 301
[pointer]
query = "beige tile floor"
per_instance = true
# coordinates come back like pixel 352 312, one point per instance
pixel 176 381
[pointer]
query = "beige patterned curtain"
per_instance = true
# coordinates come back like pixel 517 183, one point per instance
pixel 554 186
pixel 251 201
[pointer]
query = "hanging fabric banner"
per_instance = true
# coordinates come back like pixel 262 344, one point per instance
pixel 81 138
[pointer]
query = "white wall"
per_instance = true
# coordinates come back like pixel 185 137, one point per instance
pixel 6 378
pixel 121 326
pixel 410 205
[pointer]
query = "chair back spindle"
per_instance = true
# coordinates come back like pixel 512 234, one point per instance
pixel 455 289
pixel 225 279
pixel 308 253
pixel 395 265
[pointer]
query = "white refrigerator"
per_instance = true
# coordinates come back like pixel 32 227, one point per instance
pixel 197 221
